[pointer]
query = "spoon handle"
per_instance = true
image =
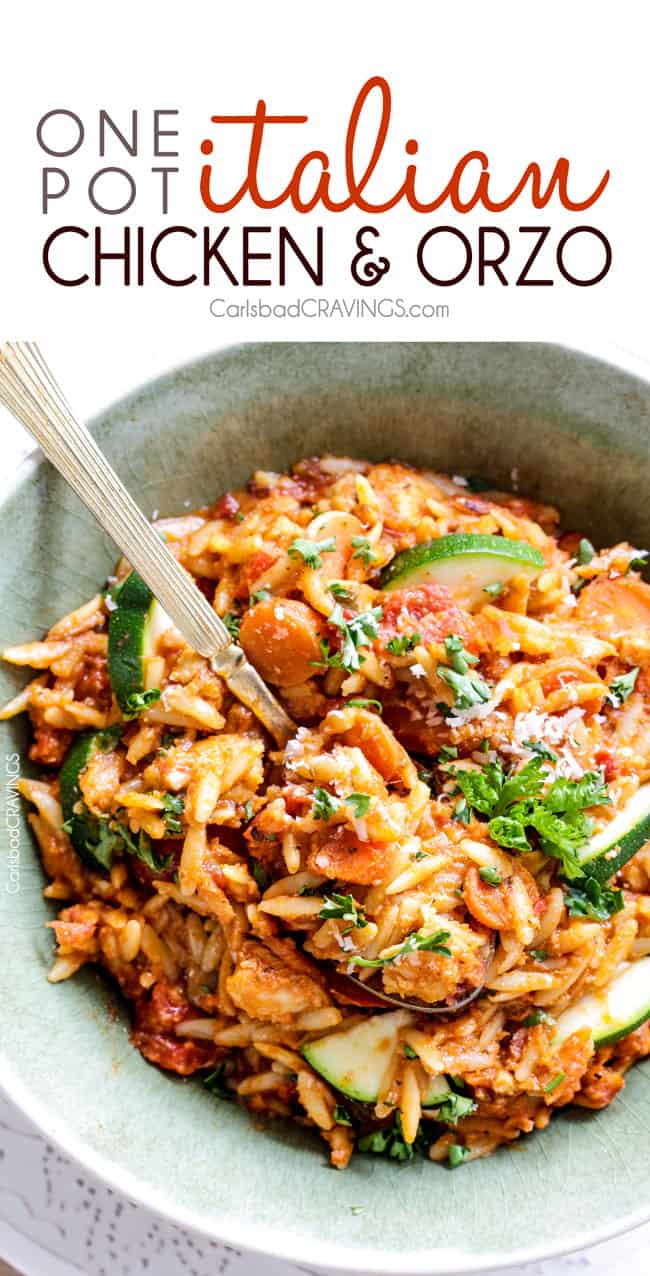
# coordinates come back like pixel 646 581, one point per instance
pixel 30 391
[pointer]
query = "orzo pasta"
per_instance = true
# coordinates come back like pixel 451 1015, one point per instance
pixel 460 822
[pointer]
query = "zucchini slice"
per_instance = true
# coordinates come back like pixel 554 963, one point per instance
pixel 355 1060
pixel 611 848
pixel 614 1012
pixel 466 563
pixel 134 627
pixel 87 832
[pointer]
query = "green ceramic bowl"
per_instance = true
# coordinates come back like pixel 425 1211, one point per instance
pixel 575 429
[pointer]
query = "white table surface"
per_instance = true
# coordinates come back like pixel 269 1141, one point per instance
pixel 58 1220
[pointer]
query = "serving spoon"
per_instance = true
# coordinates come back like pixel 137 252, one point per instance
pixel 31 393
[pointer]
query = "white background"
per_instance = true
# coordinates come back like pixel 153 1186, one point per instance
pixel 520 81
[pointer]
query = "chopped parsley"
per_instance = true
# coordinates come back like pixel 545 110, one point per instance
pixel 622 687
pixel 325 805
pixel 361 702
pixel 232 623
pixel 173 807
pixel 356 632
pixel 390 1143
pixel 553 1085
pixel 340 592
pixel 261 876
pixel 493 590
pixel 468 688
pixel 343 907
pixel 535 1017
pixel 542 750
pixel 142 848
pixel 402 644
pixel 259 596
pixel 457 1154
pixel 639 561
pixel 340 1115
pixel 359 803
pixel 538 954
pixel 447 753
pixel 490 875
pixel 408 1051
pixel 585 552
pixel 514 807
pixel 310 551
pixel 461 812
pixel 588 898
pixel 248 810
pixel 137 701
pixel 454 1108
pixel 416 942
pixel 363 550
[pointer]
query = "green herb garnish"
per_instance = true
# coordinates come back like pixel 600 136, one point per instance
pixel 454 1108
pixel 360 702
pixel 553 1085
pixel 173 807
pixel 311 551
pixel 622 687
pixel 359 803
pixel 343 907
pixel 138 701
pixel 259 596
pixel 325 805
pixel 588 898
pixel 469 689
pixel 457 1154
pixel 402 644
pixel 585 552
pixel 416 942
pixel 232 623
pixel 535 1017
pixel 490 875
pixel 363 550
pixel 542 750
pixel 493 590
pixel 214 1082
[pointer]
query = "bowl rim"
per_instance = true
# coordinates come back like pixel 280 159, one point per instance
pixel 272 1241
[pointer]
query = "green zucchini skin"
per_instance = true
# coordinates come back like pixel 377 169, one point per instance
pixel 601 864
pixel 127 639
pixel 421 560
pixel 353 1061
pixel 83 825
pixel 616 1012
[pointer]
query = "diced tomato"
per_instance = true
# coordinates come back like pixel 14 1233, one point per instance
pixel 256 566
pixel 428 610
pixel 609 763
pixel 153 1032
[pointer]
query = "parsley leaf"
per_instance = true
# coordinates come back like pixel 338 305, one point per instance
pixel 535 1017
pixel 259 596
pixel 402 644
pixel 260 875
pixel 454 1108
pixel 639 561
pixel 553 1085
pixel 362 703
pixel 325 805
pixel 416 942
pixel 173 807
pixel 490 875
pixel 340 592
pixel 588 898
pixel 137 701
pixel 585 552
pixel 622 687
pixel 232 623
pixel 359 803
pixel 447 754
pixel 340 1115
pixel 343 907
pixel 311 551
pixel 457 1153
pixel 357 632
pixel 390 1142
pixel 469 689
pixel 542 750
pixel 143 849
pixel 363 550
pixel 493 590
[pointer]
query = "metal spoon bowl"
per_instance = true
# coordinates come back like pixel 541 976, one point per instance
pixel 425 1007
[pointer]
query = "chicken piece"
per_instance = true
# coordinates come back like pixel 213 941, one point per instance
pixel 431 976
pixel 101 779
pixel 265 988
